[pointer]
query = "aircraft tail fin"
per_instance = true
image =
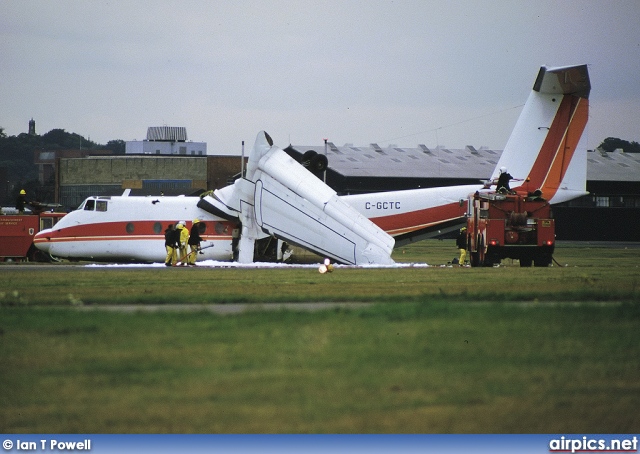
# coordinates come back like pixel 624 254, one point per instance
pixel 543 151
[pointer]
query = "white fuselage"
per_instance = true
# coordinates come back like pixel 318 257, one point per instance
pixel 132 228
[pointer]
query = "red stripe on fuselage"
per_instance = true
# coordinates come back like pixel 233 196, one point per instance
pixel 134 230
pixel 398 224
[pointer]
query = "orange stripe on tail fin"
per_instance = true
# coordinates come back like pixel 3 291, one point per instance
pixel 559 146
pixel 560 109
pixel 567 147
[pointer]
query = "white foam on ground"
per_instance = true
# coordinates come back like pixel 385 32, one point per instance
pixel 255 265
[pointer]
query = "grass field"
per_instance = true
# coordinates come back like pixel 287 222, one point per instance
pixel 442 350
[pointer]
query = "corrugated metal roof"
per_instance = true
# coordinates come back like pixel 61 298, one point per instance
pixel 399 162
pixel 467 163
pixel 613 166
pixel 167 133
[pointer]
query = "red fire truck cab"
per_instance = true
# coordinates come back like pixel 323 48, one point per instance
pixel 509 225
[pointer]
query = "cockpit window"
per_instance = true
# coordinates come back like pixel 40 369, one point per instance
pixel 101 205
pixel 90 205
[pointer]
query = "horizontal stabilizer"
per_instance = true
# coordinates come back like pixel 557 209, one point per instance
pixel 564 80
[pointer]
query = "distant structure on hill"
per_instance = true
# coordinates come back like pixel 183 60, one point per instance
pixel 166 140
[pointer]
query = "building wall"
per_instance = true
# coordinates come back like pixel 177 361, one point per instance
pixel 145 175
pixel 222 169
pixel 166 148
pixel 597 224
pixel 113 170
pixel 609 213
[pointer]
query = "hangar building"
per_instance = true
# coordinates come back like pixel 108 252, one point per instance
pixel 607 213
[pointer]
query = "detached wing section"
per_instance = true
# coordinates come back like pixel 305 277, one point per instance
pixel 280 197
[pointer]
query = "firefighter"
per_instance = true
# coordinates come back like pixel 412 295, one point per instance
pixel 21 201
pixel 461 243
pixel 171 244
pixel 235 241
pixel 194 242
pixel 182 242
pixel 503 181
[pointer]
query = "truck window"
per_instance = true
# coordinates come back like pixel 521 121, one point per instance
pixel 90 205
pixel 46 223
pixel 101 205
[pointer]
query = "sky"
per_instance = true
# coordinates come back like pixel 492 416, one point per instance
pixel 392 72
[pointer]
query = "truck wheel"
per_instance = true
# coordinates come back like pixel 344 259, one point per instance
pixel 475 260
pixel 492 259
pixel 36 255
pixel 525 262
pixel 486 258
pixel 542 260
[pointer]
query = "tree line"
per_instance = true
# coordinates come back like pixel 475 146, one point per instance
pixel 611 143
pixel 17 166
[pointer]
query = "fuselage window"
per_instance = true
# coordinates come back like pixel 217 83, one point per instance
pixel 202 227
pixel 220 228
pixel 101 205
pixel 130 228
pixel 157 228
pixel 90 205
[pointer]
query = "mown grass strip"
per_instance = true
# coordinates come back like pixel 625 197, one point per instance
pixel 445 349
pixel 75 286
pixel 401 368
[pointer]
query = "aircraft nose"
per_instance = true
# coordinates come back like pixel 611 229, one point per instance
pixel 41 240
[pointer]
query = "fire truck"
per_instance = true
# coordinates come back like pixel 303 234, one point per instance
pixel 510 225
pixel 17 232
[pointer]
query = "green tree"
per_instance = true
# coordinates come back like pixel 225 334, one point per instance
pixel 612 143
pixel 60 139
pixel 17 160
pixel 116 146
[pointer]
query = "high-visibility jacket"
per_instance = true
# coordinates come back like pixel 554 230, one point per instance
pixel 184 236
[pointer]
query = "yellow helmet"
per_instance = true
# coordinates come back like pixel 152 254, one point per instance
pixel 196 220
pixel 23 192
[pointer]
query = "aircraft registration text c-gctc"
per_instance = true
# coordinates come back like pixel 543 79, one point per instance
pixel 382 205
